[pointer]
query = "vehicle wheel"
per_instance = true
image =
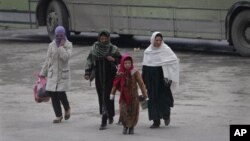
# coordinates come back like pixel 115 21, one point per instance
pixel 77 33
pixel 241 33
pixel 56 15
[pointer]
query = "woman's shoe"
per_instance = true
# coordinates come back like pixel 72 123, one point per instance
pixel 155 125
pixel 111 120
pixel 67 114
pixel 58 119
pixel 103 127
pixel 167 121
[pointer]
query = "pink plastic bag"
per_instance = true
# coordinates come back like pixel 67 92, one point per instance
pixel 40 90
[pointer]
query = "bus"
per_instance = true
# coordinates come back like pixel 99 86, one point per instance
pixel 18 14
pixel 199 19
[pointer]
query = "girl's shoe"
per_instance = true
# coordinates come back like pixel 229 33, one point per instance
pixel 67 114
pixel 131 130
pixel 58 119
pixel 125 130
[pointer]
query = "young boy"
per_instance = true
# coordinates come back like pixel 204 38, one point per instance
pixel 126 82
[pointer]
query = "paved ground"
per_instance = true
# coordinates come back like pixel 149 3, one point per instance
pixel 214 92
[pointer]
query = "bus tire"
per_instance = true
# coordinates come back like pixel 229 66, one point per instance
pixel 77 33
pixel 56 15
pixel 241 33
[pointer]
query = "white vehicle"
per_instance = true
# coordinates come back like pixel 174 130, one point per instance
pixel 205 19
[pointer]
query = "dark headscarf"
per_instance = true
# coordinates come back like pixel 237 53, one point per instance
pixel 102 49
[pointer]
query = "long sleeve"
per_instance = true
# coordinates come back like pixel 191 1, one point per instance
pixel 89 64
pixel 117 57
pixel 116 83
pixel 141 84
pixel 65 51
pixel 45 67
pixel 113 91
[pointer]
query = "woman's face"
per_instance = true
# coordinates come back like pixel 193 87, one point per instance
pixel 158 41
pixel 104 39
pixel 59 36
pixel 127 64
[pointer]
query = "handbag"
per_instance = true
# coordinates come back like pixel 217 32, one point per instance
pixel 39 90
pixel 144 104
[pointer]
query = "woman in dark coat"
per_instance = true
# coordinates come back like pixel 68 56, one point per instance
pixel 101 62
pixel 160 74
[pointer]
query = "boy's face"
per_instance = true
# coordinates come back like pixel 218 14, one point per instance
pixel 127 64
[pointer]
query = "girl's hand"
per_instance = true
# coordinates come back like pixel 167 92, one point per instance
pixel 112 97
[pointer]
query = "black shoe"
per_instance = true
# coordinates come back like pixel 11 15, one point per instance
pixel 67 114
pixel 58 119
pixel 167 121
pixel 103 127
pixel 131 130
pixel 111 120
pixel 125 130
pixel 154 126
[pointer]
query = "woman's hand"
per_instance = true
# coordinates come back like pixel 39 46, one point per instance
pixel 110 58
pixel 62 42
pixel 167 82
pixel 87 77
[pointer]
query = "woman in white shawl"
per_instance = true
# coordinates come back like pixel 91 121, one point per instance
pixel 160 73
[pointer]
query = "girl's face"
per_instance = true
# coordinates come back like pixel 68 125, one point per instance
pixel 158 41
pixel 127 64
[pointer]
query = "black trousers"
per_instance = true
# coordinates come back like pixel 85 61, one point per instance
pixel 57 98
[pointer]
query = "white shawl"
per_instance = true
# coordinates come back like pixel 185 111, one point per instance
pixel 164 57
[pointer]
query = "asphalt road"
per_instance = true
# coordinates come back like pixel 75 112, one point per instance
pixel 214 92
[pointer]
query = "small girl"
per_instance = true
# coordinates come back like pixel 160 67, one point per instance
pixel 126 82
